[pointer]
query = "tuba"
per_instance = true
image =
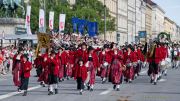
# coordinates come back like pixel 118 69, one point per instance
pixel 152 50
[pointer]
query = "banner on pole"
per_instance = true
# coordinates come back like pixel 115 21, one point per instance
pixel 81 25
pixel 41 19
pixel 51 20
pixel 92 29
pixel 27 23
pixel 62 18
pixel 75 23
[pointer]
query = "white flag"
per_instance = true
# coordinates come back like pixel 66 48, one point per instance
pixel 51 20
pixel 62 18
pixel 27 23
pixel 41 19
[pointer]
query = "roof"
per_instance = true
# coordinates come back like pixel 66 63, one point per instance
pixel 15 37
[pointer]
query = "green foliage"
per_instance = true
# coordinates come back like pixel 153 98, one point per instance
pixel 92 10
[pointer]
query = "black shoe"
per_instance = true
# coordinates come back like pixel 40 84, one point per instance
pixel 103 82
pixel 130 81
pixel 91 90
pixel 151 81
pixel 159 78
pixel 56 91
pixel 155 83
pixel 67 78
pixel 114 87
pixel 50 93
pixel 43 85
pixel 19 89
pixel 80 93
pixel 118 89
pixel 88 87
pixel 48 89
pixel 126 80
pixel 25 93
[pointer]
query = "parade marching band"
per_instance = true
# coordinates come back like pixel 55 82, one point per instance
pixel 85 63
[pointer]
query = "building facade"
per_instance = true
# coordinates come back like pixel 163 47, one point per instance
pixel 122 20
pixel 112 7
pixel 140 17
pixel 158 15
pixel 148 21
pixel 168 26
pixel 131 21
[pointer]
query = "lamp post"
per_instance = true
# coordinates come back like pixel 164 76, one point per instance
pixel 105 19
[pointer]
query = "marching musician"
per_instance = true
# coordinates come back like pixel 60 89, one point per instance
pixel 25 74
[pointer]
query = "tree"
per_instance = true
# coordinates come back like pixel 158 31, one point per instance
pixel 92 10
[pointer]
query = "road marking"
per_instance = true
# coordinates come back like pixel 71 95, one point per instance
pixel 162 80
pixel 16 93
pixel 106 92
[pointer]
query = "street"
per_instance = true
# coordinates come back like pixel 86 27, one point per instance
pixel 167 89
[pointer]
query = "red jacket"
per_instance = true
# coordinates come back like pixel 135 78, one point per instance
pixel 54 66
pixel 132 57
pixel 158 55
pixel 14 61
pixel 26 68
pixel 38 61
pixel 82 54
pixel 80 72
pixel 118 56
pixel 95 59
pixel 105 57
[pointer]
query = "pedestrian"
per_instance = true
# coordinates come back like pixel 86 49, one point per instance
pixel 80 75
pixel 26 68
pixel 116 69
pixel 91 65
pixel 105 61
pixel 53 72
pixel 17 67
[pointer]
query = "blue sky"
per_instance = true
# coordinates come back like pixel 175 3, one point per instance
pixel 172 9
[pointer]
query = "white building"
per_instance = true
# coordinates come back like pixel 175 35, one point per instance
pixel 131 20
pixel 122 21
pixel 158 15
pixel 140 16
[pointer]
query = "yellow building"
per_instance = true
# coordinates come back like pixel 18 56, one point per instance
pixel 168 25
pixel 148 21
pixel 112 7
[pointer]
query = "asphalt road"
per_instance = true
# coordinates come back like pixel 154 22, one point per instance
pixel 167 89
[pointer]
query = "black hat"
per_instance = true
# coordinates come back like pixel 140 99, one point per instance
pixel 53 52
pixel 90 48
pixel 106 46
pixel 81 59
pixel 131 47
pixel 25 56
pixel 83 44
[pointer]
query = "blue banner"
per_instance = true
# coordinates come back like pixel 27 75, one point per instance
pixel 92 28
pixel 81 25
pixel 75 23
